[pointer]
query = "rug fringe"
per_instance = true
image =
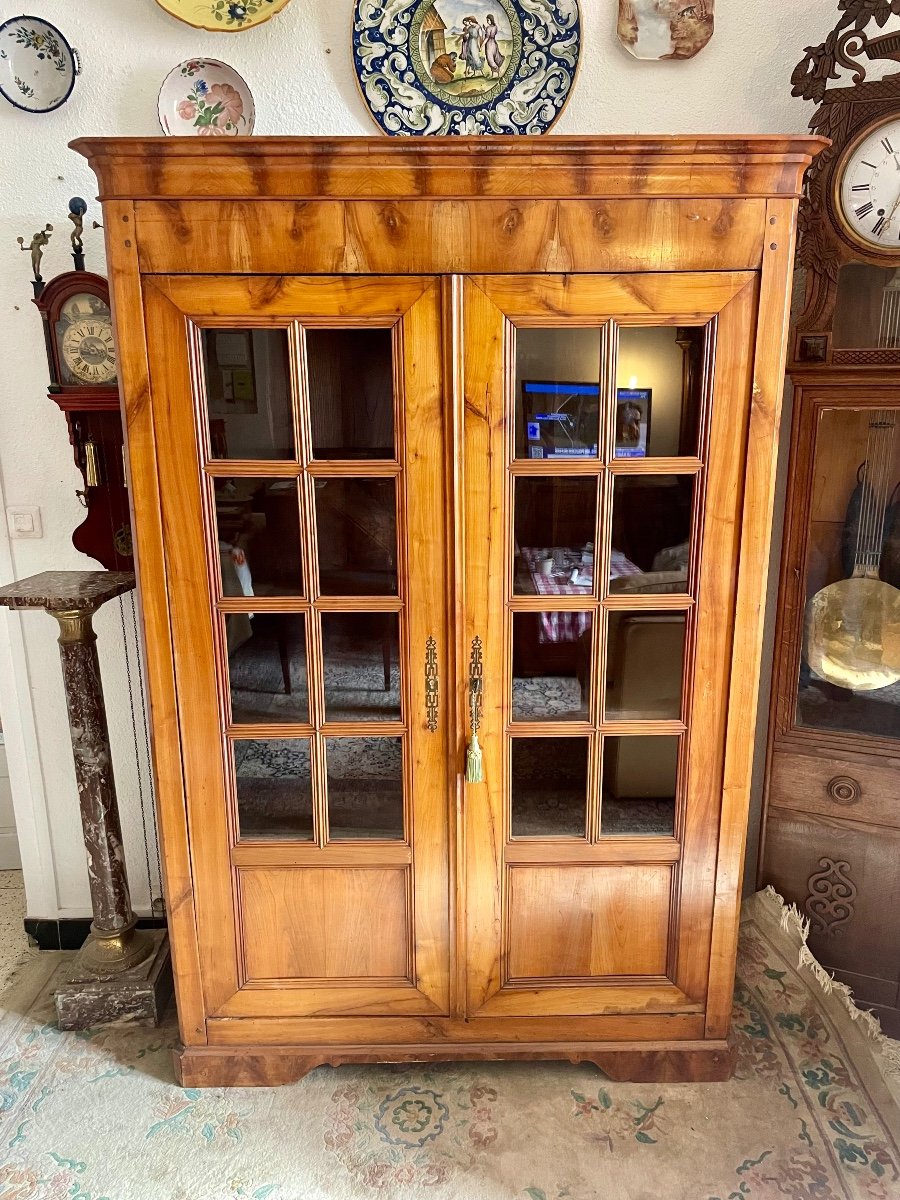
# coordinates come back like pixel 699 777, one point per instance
pixel 793 922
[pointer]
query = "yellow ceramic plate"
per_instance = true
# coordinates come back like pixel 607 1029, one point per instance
pixel 227 15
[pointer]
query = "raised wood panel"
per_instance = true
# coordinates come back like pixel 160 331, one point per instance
pixel 325 923
pixel 846 881
pixel 836 787
pixel 139 168
pixel 437 237
pixel 586 922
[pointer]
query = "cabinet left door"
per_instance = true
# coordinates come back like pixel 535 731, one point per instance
pixel 298 431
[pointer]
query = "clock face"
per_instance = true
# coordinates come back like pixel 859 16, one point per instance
pixel 869 190
pixel 87 350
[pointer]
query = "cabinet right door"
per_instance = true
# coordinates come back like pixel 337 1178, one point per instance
pixel 606 424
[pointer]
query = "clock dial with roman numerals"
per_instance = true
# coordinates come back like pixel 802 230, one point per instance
pixel 87 351
pixel 869 188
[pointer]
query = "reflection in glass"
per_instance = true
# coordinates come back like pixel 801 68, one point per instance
pixel 356 523
pixel 850 667
pixel 644 666
pixel 557 392
pixel 248 393
pixel 361 656
pixel 551 666
pixel 659 391
pixel 549 787
pixel 274 788
pixel 640 776
pixel 365 788
pixel 555 523
pixel 651 530
pixel 267 668
pixel 351 392
pixel 258 524
pixel 865 312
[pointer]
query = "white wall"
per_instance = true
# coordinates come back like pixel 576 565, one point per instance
pixel 298 65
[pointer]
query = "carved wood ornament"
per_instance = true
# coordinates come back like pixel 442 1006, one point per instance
pixel 845 115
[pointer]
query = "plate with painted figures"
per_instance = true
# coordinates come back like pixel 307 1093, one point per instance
pixel 466 66
pixel 38 67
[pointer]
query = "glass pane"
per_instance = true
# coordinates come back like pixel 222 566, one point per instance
pixel 557 392
pixel 638 790
pixel 361 656
pixel 351 392
pixel 551 666
pixel 549 787
pixel 274 788
pixel 659 390
pixel 258 524
pixel 644 666
pixel 356 523
pixel 555 523
pixel 651 530
pixel 365 788
pixel 867 311
pixel 248 393
pixel 267 667
pixel 850 666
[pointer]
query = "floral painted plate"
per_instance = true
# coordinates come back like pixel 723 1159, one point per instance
pixel 228 15
pixel 466 66
pixel 204 97
pixel 37 65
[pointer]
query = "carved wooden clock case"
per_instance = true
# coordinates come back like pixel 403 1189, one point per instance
pixel 83 372
pixel 831 836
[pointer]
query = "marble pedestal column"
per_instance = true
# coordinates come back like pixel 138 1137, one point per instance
pixel 120 973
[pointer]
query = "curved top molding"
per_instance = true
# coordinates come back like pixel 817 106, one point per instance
pixel 393 168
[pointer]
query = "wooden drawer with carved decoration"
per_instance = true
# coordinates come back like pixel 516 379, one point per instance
pixel 845 881
pixel 836 787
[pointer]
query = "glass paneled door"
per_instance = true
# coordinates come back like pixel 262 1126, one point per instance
pixel 300 446
pixel 605 428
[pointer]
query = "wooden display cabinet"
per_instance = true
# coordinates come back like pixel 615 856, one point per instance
pixel 343 550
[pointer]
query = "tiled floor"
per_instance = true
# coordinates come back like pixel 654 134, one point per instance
pixel 13 941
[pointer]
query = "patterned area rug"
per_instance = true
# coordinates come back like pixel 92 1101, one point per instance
pixel 808 1115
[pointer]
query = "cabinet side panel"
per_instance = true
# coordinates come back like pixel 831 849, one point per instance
pixel 759 499
pixel 152 595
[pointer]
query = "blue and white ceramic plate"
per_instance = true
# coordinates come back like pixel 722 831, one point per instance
pixel 37 65
pixel 466 66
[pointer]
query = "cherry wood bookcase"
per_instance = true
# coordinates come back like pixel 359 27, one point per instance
pixel 356 539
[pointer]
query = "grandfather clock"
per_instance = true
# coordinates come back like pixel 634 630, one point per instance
pixel 81 352
pixel 831 837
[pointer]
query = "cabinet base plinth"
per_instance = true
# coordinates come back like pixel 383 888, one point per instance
pixel 269 1066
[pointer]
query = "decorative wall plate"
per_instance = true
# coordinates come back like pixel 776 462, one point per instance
pixel 466 66
pixel 228 15
pixel 204 97
pixel 37 65
pixel 658 29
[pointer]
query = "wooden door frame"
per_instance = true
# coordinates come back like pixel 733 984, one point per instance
pixel 412 307
pixel 493 307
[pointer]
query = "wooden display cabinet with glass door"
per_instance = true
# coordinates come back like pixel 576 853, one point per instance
pixel 389 495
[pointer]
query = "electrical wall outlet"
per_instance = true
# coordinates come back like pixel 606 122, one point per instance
pixel 24 522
